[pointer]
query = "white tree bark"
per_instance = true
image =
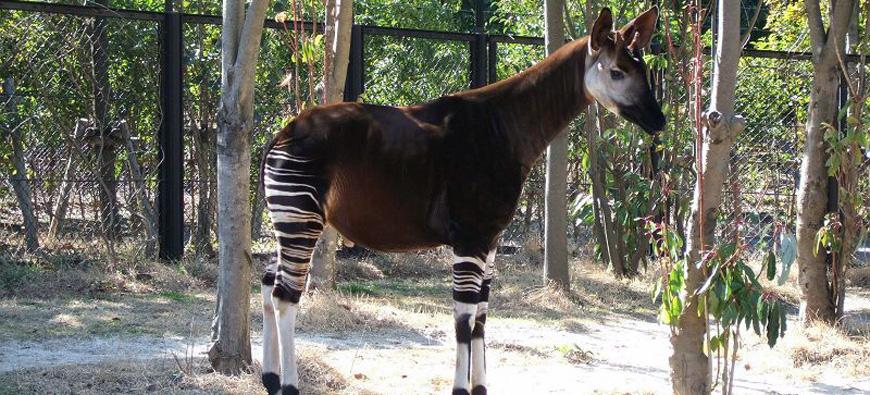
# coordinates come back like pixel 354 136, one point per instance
pixel 816 302
pixel 556 205
pixel 339 19
pixel 240 45
pixel 690 367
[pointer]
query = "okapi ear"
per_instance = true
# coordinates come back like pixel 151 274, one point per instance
pixel 601 29
pixel 639 31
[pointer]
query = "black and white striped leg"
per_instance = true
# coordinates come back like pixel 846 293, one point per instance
pixel 271 356
pixel 468 273
pixel 293 192
pixel 478 344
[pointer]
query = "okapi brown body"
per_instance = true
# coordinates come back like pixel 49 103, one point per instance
pixel 447 172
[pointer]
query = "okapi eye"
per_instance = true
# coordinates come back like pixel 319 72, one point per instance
pixel 616 75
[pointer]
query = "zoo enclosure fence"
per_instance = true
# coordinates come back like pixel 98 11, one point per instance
pixel 164 94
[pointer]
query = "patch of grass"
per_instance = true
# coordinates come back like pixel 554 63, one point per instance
pixel 13 275
pixel 177 296
pixel 117 315
pixel 358 288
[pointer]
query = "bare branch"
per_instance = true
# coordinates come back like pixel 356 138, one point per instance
pixel 817 28
pixel 745 39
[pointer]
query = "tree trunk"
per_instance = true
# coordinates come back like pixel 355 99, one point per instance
pixel 20 183
pixel 556 205
pixel 240 46
pixel 597 184
pixel 104 140
pixel 849 215
pixel 147 212
pixel 339 19
pixel 816 303
pixel 599 189
pixel 62 201
pixel 690 366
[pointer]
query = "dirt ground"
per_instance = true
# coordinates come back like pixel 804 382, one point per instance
pixel 388 330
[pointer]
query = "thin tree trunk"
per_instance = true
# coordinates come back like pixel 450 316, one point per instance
pixel 597 185
pixel 147 210
pixel 20 183
pixel 339 19
pixel 812 193
pixel 104 141
pixel 240 45
pixel 690 366
pixel 556 205
pixel 615 258
pixel 62 201
pixel 850 167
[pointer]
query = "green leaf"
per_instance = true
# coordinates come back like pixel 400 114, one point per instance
pixel 773 325
pixel 771 265
pixel 787 254
pixel 715 342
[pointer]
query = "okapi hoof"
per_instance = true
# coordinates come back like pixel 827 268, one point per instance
pixel 272 383
pixel 478 390
pixel 460 391
pixel 289 390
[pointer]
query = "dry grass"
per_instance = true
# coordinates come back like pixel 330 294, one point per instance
pixel 811 352
pixel 819 344
pixel 355 270
pixel 160 314
pixel 165 377
pixel 859 277
pixel 337 312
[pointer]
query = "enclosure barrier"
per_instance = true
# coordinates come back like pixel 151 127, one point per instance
pixel 188 60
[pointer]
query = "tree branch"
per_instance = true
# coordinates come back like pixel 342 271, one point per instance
pixel 233 12
pixel 249 48
pixel 817 28
pixel 840 18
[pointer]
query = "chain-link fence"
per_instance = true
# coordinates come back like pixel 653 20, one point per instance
pixel 79 116
pixel 83 110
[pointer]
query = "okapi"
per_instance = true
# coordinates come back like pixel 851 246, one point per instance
pixel 447 172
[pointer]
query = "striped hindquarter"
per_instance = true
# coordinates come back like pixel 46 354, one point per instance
pixel 294 188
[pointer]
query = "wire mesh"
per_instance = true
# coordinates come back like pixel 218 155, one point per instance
pixel 80 110
pixel 80 100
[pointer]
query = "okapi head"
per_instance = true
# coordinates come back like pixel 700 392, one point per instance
pixel 616 75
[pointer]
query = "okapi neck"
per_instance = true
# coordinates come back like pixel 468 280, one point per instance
pixel 537 104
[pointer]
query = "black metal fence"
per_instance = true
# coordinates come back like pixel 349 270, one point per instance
pixel 113 163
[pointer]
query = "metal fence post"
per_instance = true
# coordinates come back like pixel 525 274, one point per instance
pixel 478 60
pixel 170 199
pixel 492 60
pixel 354 84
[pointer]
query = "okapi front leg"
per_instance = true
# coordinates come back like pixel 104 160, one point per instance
pixel 478 344
pixel 467 280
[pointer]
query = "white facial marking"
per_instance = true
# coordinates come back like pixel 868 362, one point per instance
pixel 607 91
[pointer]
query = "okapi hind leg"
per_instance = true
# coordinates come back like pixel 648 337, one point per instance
pixel 294 189
pixel 468 273
pixel 478 344
pixel 271 355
